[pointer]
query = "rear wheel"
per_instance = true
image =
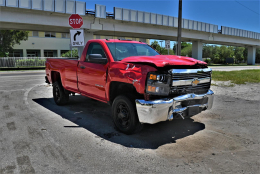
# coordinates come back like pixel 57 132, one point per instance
pixel 125 116
pixel 61 97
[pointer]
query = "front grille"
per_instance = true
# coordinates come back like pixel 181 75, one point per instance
pixel 186 76
pixel 201 88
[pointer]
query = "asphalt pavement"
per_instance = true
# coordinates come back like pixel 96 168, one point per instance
pixel 37 136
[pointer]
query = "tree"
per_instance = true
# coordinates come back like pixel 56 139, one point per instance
pixel 207 51
pixel 239 53
pixel 187 50
pixel 257 59
pixel 245 54
pixel 155 45
pixel 8 38
pixel 183 45
pixel 215 52
pixel 73 53
pixel 226 52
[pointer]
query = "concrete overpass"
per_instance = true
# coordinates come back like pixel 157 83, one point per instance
pixel 124 23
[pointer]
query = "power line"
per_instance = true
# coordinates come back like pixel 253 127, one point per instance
pixel 247 7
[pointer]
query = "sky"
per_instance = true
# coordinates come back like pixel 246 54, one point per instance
pixel 241 14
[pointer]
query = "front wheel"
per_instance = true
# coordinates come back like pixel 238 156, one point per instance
pixel 125 116
pixel 61 97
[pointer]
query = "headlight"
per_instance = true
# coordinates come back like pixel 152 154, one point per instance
pixel 157 84
pixel 162 90
pixel 155 77
pixel 158 77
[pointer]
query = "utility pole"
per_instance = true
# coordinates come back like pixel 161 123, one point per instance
pixel 179 28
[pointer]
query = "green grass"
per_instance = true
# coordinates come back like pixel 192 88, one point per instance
pixel 241 64
pixel 237 77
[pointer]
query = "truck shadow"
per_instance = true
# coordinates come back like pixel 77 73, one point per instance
pixel 95 117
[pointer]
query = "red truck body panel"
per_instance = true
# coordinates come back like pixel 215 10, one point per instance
pixel 67 69
pixel 94 81
pixel 164 60
pixel 129 73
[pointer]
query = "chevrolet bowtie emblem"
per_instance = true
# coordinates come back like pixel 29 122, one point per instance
pixel 195 82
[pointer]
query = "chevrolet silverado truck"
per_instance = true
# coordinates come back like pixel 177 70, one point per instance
pixel 141 85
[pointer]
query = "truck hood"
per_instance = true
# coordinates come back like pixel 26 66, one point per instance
pixel 164 60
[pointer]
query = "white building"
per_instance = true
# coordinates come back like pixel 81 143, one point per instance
pixel 51 44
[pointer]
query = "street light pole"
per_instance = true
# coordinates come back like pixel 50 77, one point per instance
pixel 179 28
pixel 161 43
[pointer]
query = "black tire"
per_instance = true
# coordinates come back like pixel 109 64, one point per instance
pixel 60 95
pixel 125 116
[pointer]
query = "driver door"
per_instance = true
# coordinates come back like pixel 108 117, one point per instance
pixel 92 76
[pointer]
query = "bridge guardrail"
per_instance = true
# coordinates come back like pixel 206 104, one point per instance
pixel 239 32
pixel 59 6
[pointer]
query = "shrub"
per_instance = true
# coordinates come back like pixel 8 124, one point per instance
pixel 217 60
pixel 68 54
pixel 30 62
pixel 208 61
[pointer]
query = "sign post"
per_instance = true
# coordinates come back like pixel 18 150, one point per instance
pixel 70 50
pixel 168 45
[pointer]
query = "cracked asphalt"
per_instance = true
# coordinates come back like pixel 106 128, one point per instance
pixel 37 136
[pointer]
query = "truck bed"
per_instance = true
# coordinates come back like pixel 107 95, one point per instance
pixel 67 68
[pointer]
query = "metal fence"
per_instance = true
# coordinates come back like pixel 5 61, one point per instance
pixel 15 62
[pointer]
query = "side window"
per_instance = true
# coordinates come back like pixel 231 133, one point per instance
pixel 95 48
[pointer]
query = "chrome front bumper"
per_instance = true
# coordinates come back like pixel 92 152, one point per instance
pixel 166 109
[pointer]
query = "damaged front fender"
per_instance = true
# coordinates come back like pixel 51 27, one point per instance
pixel 134 74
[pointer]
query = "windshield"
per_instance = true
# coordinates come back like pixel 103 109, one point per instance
pixel 122 50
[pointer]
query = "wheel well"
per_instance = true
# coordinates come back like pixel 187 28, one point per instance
pixel 55 76
pixel 120 88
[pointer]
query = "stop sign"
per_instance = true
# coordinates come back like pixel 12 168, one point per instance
pixel 75 21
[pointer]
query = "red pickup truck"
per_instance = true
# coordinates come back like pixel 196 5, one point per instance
pixel 141 85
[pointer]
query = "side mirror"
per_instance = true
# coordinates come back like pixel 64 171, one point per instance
pixel 97 58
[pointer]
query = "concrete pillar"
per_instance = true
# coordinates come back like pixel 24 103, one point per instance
pixel 24 53
pixel 58 53
pixel 251 55
pixel 42 53
pixel 197 50
pixel 87 36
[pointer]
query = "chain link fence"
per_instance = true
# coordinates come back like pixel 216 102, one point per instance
pixel 20 62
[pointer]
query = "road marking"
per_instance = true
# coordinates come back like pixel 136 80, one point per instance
pixel 45 133
pixel 25 97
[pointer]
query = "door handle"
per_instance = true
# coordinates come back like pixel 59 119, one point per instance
pixel 82 67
